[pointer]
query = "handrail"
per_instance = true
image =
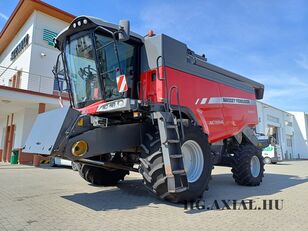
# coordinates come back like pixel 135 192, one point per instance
pixel 167 104
pixel 178 106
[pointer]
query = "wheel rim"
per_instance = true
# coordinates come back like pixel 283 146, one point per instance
pixel 255 166
pixel 193 160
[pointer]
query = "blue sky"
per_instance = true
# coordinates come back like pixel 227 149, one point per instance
pixel 263 40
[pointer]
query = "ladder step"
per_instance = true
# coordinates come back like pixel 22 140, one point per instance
pixel 171 126
pixel 174 156
pixel 181 171
pixel 180 189
pixel 173 141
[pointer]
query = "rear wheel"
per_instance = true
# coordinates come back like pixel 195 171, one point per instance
pixel 248 165
pixel 197 164
pixel 101 176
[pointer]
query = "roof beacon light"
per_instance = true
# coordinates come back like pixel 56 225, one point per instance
pixel 74 25
pixel 79 23
pixel 85 21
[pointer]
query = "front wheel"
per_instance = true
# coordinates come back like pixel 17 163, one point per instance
pixel 197 164
pixel 101 176
pixel 248 165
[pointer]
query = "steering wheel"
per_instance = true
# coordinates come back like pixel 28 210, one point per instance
pixel 86 71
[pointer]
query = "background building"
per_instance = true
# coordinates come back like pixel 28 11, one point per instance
pixel 290 129
pixel 301 135
pixel 27 57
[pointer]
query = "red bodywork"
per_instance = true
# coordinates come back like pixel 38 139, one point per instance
pixel 219 120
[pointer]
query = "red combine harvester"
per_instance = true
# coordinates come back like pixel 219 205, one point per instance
pixel 151 105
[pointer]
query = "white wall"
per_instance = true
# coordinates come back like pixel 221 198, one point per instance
pixel 18 120
pixel 42 65
pixel 22 61
pixel 266 115
pixel 2 131
pixel 301 136
pixel 30 59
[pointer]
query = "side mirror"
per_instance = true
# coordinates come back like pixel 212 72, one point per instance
pixel 124 30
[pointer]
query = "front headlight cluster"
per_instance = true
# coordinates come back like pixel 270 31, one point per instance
pixel 80 22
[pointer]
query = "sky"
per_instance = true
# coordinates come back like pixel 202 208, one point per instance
pixel 263 40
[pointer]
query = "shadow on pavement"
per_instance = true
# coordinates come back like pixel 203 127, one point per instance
pixel 222 187
pixel 129 194
pixel 132 194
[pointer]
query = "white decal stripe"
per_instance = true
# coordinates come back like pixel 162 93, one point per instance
pixel 215 100
pixel 203 101
pixel 123 85
pixel 231 100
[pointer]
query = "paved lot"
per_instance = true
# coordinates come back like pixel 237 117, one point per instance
pixel 58 199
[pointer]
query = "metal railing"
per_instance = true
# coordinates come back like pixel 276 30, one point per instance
pixel 18 78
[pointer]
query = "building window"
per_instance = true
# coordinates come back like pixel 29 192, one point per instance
pixel 14 81
pixel 272 119
pixel 289 140
pixel 288 123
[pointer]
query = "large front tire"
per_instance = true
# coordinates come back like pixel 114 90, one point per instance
pixel 248 165
pixel 198 174
pixel 101 176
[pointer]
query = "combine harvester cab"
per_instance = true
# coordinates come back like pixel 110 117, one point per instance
pixel 150 105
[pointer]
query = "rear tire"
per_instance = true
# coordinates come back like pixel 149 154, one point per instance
pixel 101 176
pixel 248 165
pixel 153 172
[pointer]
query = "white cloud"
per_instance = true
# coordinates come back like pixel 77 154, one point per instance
pixel 302 61
pixel 286 91
pixel 3 16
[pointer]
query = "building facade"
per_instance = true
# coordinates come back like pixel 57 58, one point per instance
pixel 289 129
pixel 27 57
pixel 301 135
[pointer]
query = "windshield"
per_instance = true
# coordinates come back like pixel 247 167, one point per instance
pixel 86 75
pixel 110 67
pixel 82 71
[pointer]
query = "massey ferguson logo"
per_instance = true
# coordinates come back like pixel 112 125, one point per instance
pixel 225 100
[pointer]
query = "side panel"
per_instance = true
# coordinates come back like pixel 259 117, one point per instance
pixel 223 111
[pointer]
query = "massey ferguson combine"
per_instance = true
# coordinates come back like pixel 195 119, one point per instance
pixel 150 105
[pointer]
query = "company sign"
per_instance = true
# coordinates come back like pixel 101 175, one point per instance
pixel 19 48
pixel 49 36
